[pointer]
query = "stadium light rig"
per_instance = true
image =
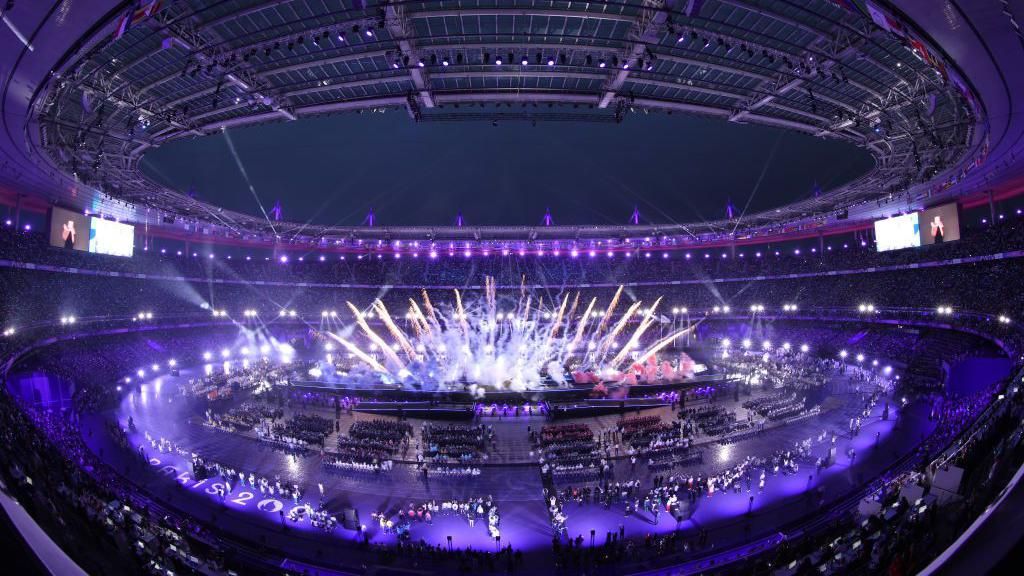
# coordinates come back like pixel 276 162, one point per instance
pixel 9 331
pixel 866 308
pixel 944 310
pixel 66 320
pixel 1004 319
pixel 789 308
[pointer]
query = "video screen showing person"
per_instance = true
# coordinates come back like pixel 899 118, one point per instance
pixel 940 224
pixel 69 229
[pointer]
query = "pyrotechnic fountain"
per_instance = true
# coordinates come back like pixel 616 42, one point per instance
pixel 530 346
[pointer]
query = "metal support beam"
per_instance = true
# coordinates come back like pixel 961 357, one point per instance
pixel 399 28
pixel 646 30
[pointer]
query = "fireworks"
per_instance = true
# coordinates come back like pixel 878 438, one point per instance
pixel 472 342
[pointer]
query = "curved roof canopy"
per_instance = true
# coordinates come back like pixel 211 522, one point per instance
pixel 198 66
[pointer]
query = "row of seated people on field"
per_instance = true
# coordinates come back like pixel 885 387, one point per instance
pixel 561 433
pixel 300 431
pixel 243 417
pixel 393 433
pixel 455 442
pixel 777 406
pixel 643 430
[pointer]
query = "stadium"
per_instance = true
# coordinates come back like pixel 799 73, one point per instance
pixel 331 287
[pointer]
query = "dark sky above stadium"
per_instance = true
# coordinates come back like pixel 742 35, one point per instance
pixel 333 170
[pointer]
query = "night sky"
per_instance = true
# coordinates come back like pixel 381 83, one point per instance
pixel 674 168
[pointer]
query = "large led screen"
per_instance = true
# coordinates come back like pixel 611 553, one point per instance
pixel 109 237
pixel 69 229
pixel 940 224
pixel 898 232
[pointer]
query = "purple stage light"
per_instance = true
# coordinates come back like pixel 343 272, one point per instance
pixel 574 253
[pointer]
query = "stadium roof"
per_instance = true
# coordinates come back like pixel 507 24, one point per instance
pixel 822 67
